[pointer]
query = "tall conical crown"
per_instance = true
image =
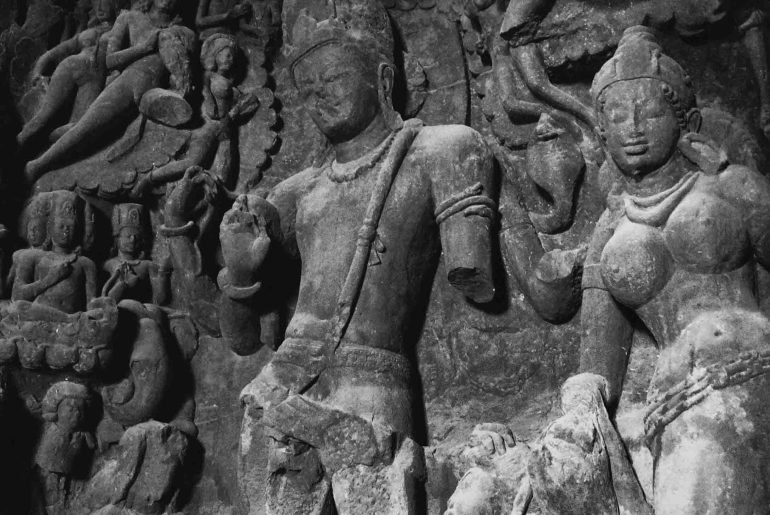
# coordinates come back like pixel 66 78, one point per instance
pixel 127 215
pixel 362 24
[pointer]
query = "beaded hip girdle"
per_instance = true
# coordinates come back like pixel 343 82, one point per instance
pixel 667 406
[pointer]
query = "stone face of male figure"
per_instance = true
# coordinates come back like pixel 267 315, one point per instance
pixel 340 94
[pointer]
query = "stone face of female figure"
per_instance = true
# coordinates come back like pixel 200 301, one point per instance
pixel 677 248
pixel 141 66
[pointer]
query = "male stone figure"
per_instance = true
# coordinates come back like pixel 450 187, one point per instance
pixel 368 223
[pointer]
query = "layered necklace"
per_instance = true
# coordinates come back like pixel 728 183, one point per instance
pixel 344 172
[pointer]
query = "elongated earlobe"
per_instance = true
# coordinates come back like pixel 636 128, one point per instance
pixel 694 120
pixel 386 79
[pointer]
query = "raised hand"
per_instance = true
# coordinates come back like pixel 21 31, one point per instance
pixel 193 197
pixel 58 273
pixel 492 439
pixel 150 44
pixel 244 237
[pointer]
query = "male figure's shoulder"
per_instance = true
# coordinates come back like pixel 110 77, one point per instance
pixel 449 142
pixel 295 185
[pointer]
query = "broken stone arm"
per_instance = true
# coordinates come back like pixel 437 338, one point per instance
pixel 247 233
pixel 464 211
pixel 606 331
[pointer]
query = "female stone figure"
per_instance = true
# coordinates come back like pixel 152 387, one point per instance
pixel 157 45
pixel 677 247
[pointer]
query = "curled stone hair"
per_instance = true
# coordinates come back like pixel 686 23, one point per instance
pixel 211 48
pixel 60 391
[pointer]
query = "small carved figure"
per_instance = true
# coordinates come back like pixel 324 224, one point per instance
pixel 60 281
pixel 133 282
pixel 158 45
pixel 55 317
pixel 35 226
pixel 130 275
pixel 368 221
pixel 67 444
pixel 224 105
pixel 677 247
pixel 74 73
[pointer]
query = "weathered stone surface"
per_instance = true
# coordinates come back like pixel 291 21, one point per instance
pixel 224 222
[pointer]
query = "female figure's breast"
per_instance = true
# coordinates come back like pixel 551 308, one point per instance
pixel 706 234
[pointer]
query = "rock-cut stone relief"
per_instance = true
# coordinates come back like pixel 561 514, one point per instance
pixel 677 247
pixel 239 275
pixel 337 396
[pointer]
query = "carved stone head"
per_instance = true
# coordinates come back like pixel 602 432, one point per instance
pixel 128 228
pixel 167 6
pixel 65 220
pixel 343 67
pixel 67 405
pixel 645 102
pixel 218 53
pixel 105 10
pixel 35 220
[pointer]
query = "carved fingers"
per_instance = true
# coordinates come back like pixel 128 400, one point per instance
pixel 244 237
pixel 193 196
pixel 58 273
pixel 493 438
pixel 151 43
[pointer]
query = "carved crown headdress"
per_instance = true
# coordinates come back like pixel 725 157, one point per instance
pixel 127 215
pixel 362 24
pixel 640 56
pixel 65 204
